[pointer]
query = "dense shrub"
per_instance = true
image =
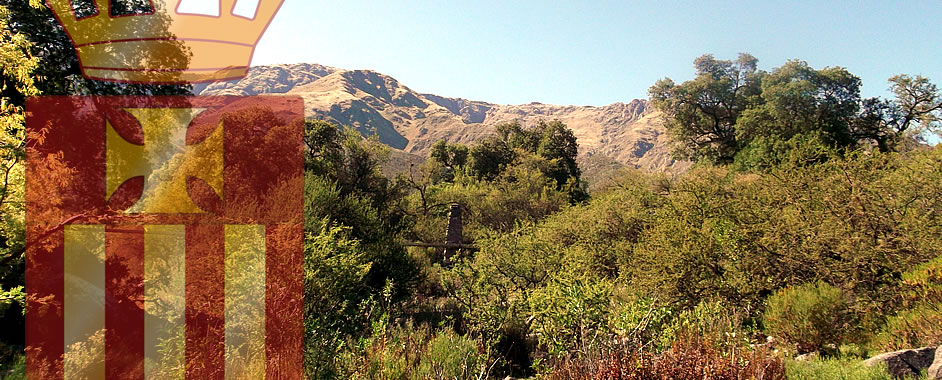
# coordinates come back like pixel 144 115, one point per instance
pixel 334 295
pixel 571 313
pixel 642 320
pixel 407 352
pixel 716 323
pixel 917 327
pixel 687 358
pixel 923 284
pixel 834 369
pixel 451 356
pixel 808 316
pixel 919 324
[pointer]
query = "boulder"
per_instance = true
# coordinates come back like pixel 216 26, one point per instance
pixel 807 357
pixel 935 371
pixel 906 362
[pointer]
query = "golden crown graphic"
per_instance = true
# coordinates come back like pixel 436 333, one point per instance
pixel 164 45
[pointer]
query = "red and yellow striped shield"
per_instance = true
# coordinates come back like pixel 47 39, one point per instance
pixel 164 237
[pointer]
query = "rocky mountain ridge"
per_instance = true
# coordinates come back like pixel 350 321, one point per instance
pixel 629 134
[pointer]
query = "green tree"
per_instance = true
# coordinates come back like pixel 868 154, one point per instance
pixel 18 81
pixel 916 109
pixel 701 114
pixel 334 294
pixel 444 160
pixel 489 157
pixel 344 184
pixel 59 64
pixel 553 141
pixel 797 99
pixel 449 155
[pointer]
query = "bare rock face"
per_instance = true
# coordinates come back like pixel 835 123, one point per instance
pixel 629 134
pixel 935 370
pixel 906 362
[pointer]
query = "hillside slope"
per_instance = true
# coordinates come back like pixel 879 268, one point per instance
pixel 630 133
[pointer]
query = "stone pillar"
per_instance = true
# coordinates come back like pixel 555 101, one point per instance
pixel 453 235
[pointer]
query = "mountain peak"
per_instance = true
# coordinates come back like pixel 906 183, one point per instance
pixel 372 102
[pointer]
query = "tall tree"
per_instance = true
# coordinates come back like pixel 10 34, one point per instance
pixel 797 99
pixel 552 141
pixel 731 106
pixel 701 114
pixel 917 109
pixel 18 81
pixel 59 65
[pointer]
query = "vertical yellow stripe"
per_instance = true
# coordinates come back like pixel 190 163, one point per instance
pixel 245 302
pixel 84 309
pixel 164 304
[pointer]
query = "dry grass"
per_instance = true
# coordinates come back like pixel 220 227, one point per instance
pixel 687 358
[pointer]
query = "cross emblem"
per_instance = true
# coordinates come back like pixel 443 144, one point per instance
pixel 165 161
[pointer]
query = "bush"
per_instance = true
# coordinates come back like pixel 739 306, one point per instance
pixel 643 320
pixel 407 351
pixel 920 324
pixel 714 322
pixel 917 327
pixel 15 369
pixel 571 313
pixel 923 284
pixel 808 316
pixel 836 369
pixel 388 352
pixel 688 358
pixel 334 295
pixel 451 356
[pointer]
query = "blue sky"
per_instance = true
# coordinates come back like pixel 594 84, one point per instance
pixel 596 53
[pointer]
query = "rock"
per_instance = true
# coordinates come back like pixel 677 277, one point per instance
pixel 628 134
pixel 935 371
pixel 905 362
pixel 806 357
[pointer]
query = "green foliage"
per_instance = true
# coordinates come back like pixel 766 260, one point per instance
pixel 860 221
pixel 712 245
pixel 701 114
pixel 551 141
pixel 489 158
pixel 19 80
pixel 14 369
pixel 344 184
pixel 449 155
pixel 519 195
pixel 571 312
pixel 643 320
pixel 451 356
pixel 334 295
pixel 732 111
pixel 719 324
pixel 412 352
pixel 324 143
pixel 923 284
pixel 920 326
pixel 388 352
pixel 353 251
pixel 766 153
pixel 492 286
pixel 808 316
pixel 59 65
pixel 834 369
pixel 797 99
